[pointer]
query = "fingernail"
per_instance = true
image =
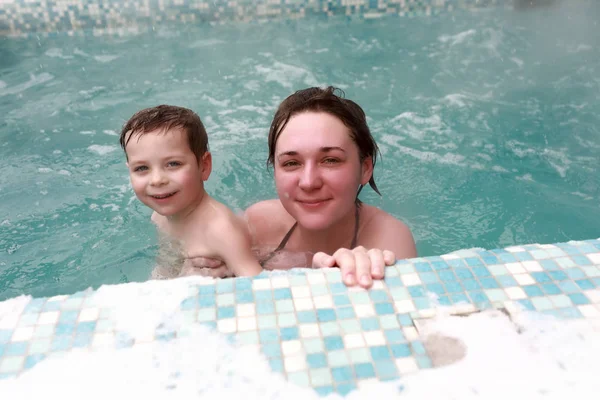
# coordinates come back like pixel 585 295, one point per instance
pixel 365 280
pixel 349 279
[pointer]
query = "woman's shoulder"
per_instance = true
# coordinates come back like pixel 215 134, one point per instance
pixel 383 230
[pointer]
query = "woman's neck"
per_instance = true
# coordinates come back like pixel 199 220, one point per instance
pixel 330 239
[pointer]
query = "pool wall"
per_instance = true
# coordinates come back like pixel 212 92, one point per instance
pixel 19 17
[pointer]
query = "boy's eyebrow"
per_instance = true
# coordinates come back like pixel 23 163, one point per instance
pixel 325 149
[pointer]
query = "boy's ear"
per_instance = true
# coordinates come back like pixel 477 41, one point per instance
pixel 206 165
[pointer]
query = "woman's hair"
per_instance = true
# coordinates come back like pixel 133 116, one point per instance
pixel 326 100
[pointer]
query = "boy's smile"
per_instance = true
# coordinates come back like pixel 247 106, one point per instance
pixel 164 172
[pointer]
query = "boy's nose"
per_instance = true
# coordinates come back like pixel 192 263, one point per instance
pixel 158 178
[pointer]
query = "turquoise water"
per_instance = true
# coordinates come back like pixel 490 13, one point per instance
pixel 488 124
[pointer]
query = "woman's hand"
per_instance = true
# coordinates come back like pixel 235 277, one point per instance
pixel 357 266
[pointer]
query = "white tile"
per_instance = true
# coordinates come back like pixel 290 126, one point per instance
pixel 532 266
pixel 515 293
pixel 103 340
pixel 261 284
pixel 325 301
pixel 524 279
pixel 246 310
pixel 291 347
pixel 589 311
pixel 48 317
pixel 515 249
pixel 227 325
pixel 295 363
pixel 61 297
pixel 246 324
pixel 303 304
pixel 364 310
pixel 594 257
pixel 374 338
pixel 406 365
pixel 354 340
pixel 89 314
pixel 315 277
pixel 280 282
pixel 377 284
pixel 309 330
pixel 23 334
pixel 300 292
pixel 515 268
pixel 410 333
pixel 411 279
pixel 404 306
pixel 450 256
pixel 593 295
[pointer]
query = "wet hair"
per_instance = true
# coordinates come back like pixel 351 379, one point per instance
pixel 329 100
pixel 166 118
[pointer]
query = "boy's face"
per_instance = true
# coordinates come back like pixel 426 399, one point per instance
pixel 164 172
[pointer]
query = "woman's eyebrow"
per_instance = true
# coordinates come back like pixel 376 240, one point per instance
pixel 325 149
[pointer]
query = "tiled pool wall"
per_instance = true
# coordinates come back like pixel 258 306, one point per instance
pixel 309 325
pixel 19 17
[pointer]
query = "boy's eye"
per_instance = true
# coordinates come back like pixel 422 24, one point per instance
pixel 173 163
pixel 140 168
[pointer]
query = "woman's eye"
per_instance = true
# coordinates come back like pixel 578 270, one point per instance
pixel 290 163
pixel 331 161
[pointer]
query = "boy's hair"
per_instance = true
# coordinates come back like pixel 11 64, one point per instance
pixel 326 100
pixel 166 118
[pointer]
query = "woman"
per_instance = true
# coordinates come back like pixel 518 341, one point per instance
pixel 323 153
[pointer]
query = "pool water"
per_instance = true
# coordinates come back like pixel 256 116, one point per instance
pixel 488 124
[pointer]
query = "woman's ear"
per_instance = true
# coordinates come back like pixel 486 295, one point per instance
pixel 366 170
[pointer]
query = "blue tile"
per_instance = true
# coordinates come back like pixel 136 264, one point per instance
pixel 585 284
pixel 61 343
pixel 506 281
pixel 459 298
pixel 526 304
pixel 490 259
pixel 244 297
pixel 447 276
pixel 558 275
pixel 471 284
pixel 488 283
pixel 570 312
pixel 212 325
pixel 341 300
pixel 271 350
pixel 550 289
pixel 345 388
pixel 323 390
pixel 596 281
pixel 473 261
pixel 523 256
pixel 16 348
pixel 422 303
pixel 533 290
pixel 394 281
pixel 64 329
pixel 581 260
pixel 568 287
pixel 405 320
pixel 400 350
pixel 424 362
pixel 268 335
pixel 436 288
pixel 276 364
pixel 416 291
pixel 369 324
pixel 456 263
pixel 86 327
pixel 345 313
pixel 579 298
pixel 418 347
pixel 224 285
pixel 265 307
pixel 333 343
pixel 242 284
pixel 571 250
pixel 337 287
pixel 394 335
pixel 34 306
pixel 207 290
pixel 507 257
pixel 206 301
pixel 52 306
pixel 263 295
pixel 386 369
pixel 440 265
pixel 429 277
pixel 478 297
pixel 33 359
pixel 282 294
pixel 541 277
pixel 444 300
pixel 82 339
pixel 341 374
pixel 187 304
pixel 378 295
pixel 549 265
pixel 306 317
pixel 380 353
pixel 326 315
pixel 481 272
pixel 317 360
pixel 453 287
pixel 384 308
pixel 70 316
pixel 289 333
pixel 423 267
pixel 463 273
pixel 587 248
pixel 226 312
pixel 364 370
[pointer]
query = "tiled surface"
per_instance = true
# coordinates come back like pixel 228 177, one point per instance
pixel 318 332
pixel 110 16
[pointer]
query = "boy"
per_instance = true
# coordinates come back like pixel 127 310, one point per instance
pixel 166 148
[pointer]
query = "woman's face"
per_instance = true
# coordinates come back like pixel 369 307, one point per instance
pixel 318 169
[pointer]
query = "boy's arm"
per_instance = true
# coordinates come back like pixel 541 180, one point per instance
pixel 231 241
